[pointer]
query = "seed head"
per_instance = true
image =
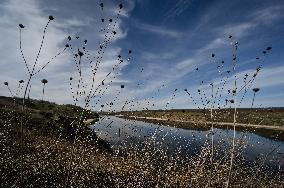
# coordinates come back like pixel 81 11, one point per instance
pixel 255 90
pixel 6 83
pixel 51 17
pixel 80 53
pixel 21 26
pixel 44 81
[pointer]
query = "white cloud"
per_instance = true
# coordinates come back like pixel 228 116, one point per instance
pixel 159 30
pixel 30 14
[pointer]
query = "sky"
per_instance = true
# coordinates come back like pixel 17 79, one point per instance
pixel 168 40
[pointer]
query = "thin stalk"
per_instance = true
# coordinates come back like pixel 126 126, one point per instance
pixel 212 137
pixel 235 115
pixel 234 137
pixel 253 99
pixel 43 91
pixel 23 111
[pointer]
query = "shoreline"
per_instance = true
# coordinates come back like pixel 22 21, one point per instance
pixel 269 131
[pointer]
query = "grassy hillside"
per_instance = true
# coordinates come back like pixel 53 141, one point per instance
pixel 271 117
pixel 261 116
pixel 57 145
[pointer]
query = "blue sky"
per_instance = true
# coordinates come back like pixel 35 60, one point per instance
pixel 169 40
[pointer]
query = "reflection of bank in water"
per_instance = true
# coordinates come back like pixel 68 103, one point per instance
pixel 129 134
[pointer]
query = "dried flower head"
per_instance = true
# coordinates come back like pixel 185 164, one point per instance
pixel 122 86
pixel 6 83
pixel 51 17
pixel 44 81
pixel 255 90
pixel 80 53
pixel 21 81
pixel 120 6
pixel 21 26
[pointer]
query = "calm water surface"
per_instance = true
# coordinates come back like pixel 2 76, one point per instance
pixel 121 132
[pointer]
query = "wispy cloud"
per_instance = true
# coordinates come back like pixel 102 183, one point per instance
pixel 178 8
pixel 32 15
pixel 158 30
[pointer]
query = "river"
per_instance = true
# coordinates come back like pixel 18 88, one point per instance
pixel 123 134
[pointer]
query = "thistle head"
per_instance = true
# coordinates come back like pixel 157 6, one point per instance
pixel 102 5
pixel 80 53
pixel 50 17
pixel 255 90
pixel 44 81
pixel 21 26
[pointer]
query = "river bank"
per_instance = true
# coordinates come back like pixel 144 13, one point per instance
pixel 270 131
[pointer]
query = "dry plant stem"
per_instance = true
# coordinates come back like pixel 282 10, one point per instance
pixel 263 161
pixel 22 53
pixel 212 138
pixel 43 92
pixel 41 44
pixel 23 110
pixel 234 122
pixel 253 100
pixel 25 93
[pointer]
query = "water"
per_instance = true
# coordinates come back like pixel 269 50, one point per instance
pixel 121 132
